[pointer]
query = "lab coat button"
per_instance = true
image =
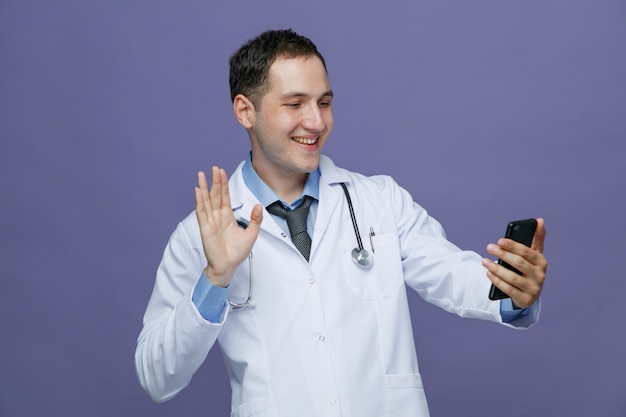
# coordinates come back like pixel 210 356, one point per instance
pixel 321 338
pixel 311 281
pixel 283 234
pixel 333 402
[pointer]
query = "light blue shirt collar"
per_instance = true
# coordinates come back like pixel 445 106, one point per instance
pixel 267 196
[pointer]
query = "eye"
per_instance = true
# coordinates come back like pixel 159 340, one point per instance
pixel 293 105
pixel 324 103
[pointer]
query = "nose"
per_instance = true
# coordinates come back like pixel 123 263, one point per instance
pixel 313 119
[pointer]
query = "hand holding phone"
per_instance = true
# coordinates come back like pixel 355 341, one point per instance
pixel 521 231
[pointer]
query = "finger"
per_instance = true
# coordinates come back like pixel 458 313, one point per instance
pixel 202 193
pixel 215 194
pixel 532 268
pixel 225 192
pixel 504 274
pixel 540 236
pixel 200 211
pixel 202 184
pixel 518 255
pixel 502 285
pixel 519 297
pixel 204 190
pixel 506 251
pixel 496 279
pixel 515 288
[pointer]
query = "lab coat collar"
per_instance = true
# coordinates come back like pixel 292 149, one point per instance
pixel 331 197
pixel 241 198
pixel 331 174
pixel 331 194
pixel 240 195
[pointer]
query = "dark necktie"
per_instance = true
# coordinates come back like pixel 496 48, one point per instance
pixel 296 221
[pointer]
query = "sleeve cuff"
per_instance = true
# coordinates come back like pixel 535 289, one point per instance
pixel 508 313
pixel 210 300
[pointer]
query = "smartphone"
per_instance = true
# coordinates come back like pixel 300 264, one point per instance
pixel 521 231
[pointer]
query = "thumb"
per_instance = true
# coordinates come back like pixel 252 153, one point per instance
pixel 540 236
pixel 256 216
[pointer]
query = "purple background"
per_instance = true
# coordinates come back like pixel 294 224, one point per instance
pixel 486 111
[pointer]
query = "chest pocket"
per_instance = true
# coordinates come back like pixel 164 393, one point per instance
pixel 384 278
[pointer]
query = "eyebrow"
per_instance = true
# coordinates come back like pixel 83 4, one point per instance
pixel 296 94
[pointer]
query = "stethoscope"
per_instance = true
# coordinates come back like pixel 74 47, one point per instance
pixel 360 255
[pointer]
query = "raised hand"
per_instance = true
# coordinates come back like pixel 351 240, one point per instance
pixel 226 245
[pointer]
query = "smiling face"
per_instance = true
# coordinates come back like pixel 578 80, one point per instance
pixel 290 126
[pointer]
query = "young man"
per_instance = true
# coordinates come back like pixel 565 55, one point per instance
pixel 327 331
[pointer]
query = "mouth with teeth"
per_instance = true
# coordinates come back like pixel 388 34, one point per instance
pixel 305 141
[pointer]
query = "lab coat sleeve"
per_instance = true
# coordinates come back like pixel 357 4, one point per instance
pixel 439 271
pixel 175 338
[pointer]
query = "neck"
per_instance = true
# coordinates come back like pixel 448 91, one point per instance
pixel 288 188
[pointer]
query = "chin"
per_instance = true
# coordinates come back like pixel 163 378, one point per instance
pixel 310 167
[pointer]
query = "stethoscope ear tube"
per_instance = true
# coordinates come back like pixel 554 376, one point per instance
pixel 359 255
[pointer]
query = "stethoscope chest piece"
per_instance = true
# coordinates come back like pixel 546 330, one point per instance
pixel 362 258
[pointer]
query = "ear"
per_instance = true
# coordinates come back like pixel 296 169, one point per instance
pixel 244 111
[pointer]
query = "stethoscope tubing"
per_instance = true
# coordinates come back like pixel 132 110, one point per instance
pixel 237 306
pixel 360 255
pixel 352 216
